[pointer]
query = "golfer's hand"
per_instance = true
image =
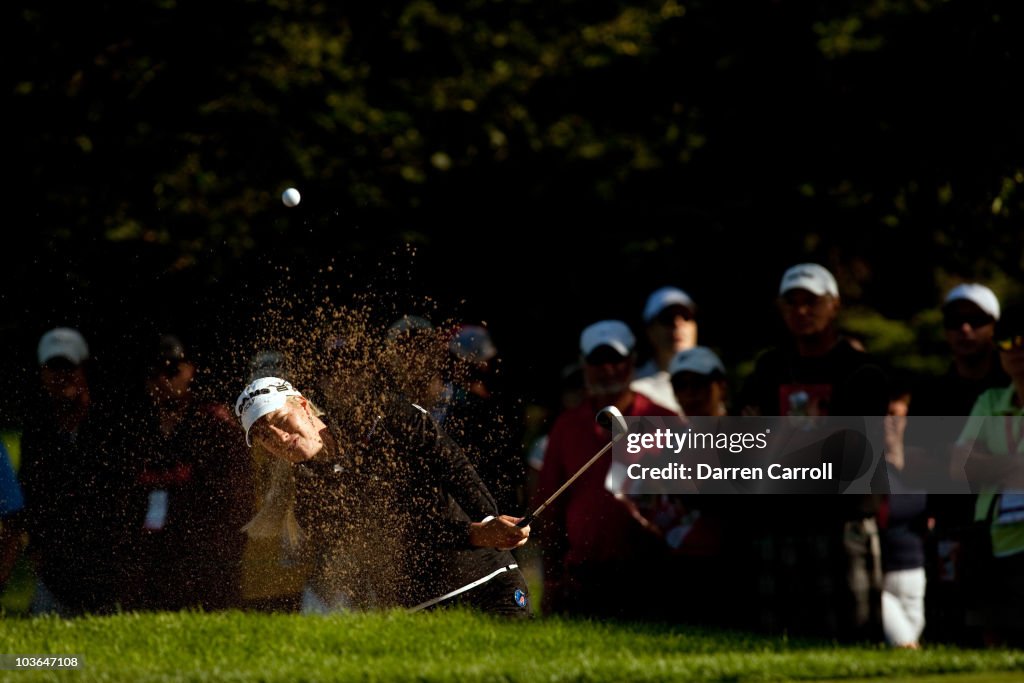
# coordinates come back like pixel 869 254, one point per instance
pixel 498 532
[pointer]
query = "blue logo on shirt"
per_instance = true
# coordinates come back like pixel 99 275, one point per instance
pixel 520 597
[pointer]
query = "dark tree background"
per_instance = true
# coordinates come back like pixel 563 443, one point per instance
pixel 536 164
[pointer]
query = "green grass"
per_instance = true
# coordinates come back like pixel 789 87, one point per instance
pixel 449 645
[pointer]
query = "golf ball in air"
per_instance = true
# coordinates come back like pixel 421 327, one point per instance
pixel 291 197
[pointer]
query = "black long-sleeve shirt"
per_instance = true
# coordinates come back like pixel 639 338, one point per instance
pixel 387 507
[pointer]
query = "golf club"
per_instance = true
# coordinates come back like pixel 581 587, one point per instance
pixel 607 417
pixel 458 591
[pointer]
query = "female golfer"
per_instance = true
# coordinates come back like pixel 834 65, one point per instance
pixel 386 502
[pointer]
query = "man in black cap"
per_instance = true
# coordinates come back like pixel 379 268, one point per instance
pixel 189 491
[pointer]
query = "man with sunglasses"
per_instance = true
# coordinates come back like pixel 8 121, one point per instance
pixel 989 453
pixel 598 557
pixel 970 313
pixel 670 317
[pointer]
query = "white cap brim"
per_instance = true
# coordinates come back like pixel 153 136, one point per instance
pixel 811 277
pixel 664 298
pixel 613 333
pixel 699 359
pixel 63 342
pixel 979 295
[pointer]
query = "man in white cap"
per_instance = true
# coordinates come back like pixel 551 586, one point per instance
pixel 970 312
pixel 970 315
pixel 817 372
pixel 671 327
pixel 834 538
pixel 699 382
pixel 597 555
pixel 66 480
pixel 62 354
pixel 387 502
pixel 696 527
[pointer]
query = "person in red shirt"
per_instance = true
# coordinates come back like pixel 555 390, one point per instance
pixel 598 556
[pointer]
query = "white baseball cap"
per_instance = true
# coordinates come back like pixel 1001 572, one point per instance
pixel 815 278
pixel 660 299
pixel 979 295
pixel 63 342
pixel 262 396
pixel 699 359
pixel 613 333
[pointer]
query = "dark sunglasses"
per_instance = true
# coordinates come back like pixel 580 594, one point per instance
pixel 955 322
pixel 1011 343
pixel 604 355
pixel 668 317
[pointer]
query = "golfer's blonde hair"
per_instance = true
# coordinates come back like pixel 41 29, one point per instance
pixel 275 517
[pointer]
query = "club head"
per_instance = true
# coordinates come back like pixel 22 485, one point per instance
pixel 608 417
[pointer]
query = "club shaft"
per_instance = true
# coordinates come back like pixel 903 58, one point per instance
pixel 468 586
pixel 563 487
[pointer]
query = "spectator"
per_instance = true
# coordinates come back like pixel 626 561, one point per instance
pixel 11 503
pixel 671 327
pixel 415 357
pixel 481 420
pixel 816 372
pixel 190 490
pixel 538 423
pixel 821 571
pixel 903 523
pixel 71 507
pixel 970 313
pixel 597 556
pixel 989 455
pixel 698 524
pixel 698 380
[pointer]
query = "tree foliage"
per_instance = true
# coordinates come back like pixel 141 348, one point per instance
pixel 701 143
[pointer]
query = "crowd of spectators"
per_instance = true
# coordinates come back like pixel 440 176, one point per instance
pixel 141 504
